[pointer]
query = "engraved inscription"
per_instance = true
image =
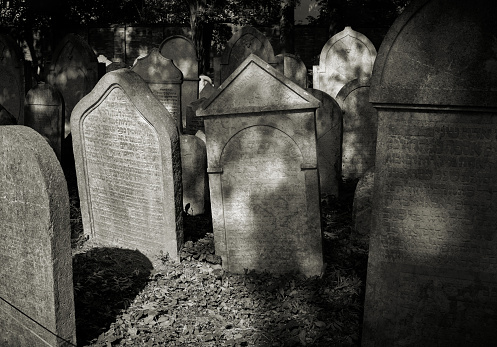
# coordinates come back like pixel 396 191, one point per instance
pixel 169 96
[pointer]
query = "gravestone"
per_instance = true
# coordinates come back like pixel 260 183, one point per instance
pixel 36 285
pixel 182 52
pixel 329 138
pixel 361 210
pixel 6 118
pixel 346 56
pixel 126 149
pixel 293 68
pixel 44 112
pixel 359 128
pixel 262 166
pixel 432 267
pixel 164 79
pixel 74 72
pixel 12 84
pixel 194 174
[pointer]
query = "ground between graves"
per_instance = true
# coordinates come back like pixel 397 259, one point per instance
pixel 121 300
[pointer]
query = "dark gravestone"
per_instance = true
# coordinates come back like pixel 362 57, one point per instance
pixel 432 271
pixel 6 118
pixel 35 251
pixel 12 85
pixel 262 166
pixel 126 148
pixel 363 202
pixel 293 68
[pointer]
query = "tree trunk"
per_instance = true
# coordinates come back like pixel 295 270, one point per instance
pixel 287 23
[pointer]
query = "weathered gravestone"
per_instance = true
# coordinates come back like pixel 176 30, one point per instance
pixel 73 71
pixel 293 68
pixel 12 85
pixel 359 128
pixel 182 52
pixel 194 174
pixel 346 56
pixel 164 79
pixel 262 166
pixel 363 202
pixel 36 289
pixel 126 148
pixel 432 271
pixel 6 118
pixel 44 112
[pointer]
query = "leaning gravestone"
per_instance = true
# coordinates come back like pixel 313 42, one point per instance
pixel 126 149
pixel 194 174
pixel 73 71
pixel 432 271
pixel 346 56
pixel 262 166
pixel 36 289
pixel 359 128
pixel 12 85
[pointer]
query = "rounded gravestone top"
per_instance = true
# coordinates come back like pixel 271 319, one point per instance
pixel 44 94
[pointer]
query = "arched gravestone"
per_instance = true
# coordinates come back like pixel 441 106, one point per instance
pixel 293 68
pixel 44 112
pixel 346 56
pixel 127 154
pixel 73 71
pixel 432 271
pixel 328 142
pixel 182 52
pixel 359 128
pixel 262 166
pixel 12 85
pixel 35 252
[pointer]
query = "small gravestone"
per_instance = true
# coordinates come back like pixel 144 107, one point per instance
pixel 432 265
pixel 359 128
pixel 328 137
pixel 182 52
pixel 74 72
pixel 294 68
pixel 36 289
pixel 12 85
pixel 44 112
pixel 126 149
pixel 164 79
pixel 346 56
pixel 262 166
pixel 194 174
pixel 361 211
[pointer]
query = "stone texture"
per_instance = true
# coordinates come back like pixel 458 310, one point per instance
pixel 35 251
pixel 359 128
pixel 293 68
pixel 44 112
pixel 127 154
pixel 194 173
pixel 73 71
pixel 432 271
pixel 12 85
pixel 346 56
pixel 262 166
pixel 329 139
pixel 361 211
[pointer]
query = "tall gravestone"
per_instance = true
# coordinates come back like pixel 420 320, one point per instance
pixel 346 56
pixel 262 166
pixel 293 68
pixel 359 128
pixel 36 289
pixel 194 174
pixel 12 85
pixel 182 52
pixel 432 271
pixel 73 71
pixel 127 154
pixel 44 112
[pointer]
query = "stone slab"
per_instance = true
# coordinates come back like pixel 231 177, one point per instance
pixel 12 83
pixel 194 174
pixel 363 203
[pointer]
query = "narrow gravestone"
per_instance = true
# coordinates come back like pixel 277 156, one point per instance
pixel 432 268
pixel 73 71
pixel 127 154
pixel 12 85
pixel 293 68
pixel 359 128
pixel 194 173
pixel 44 112
pixel 164 79
pixel 363 202
pixel 346 56
pixel 262 166
pixel 36 289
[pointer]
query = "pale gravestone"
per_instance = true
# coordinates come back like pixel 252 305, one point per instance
pixel 35 252
pixel 194 174
pixel 293 68
pixel 12 85
pixel 262 166
pixel 432 268
pixel 164 79
pixel 346 56
pixel 126 149
pixel 359 128
pixel 329 138
pixel 363 202
pixel 44 112
pixel 74 72
pixel 182 52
